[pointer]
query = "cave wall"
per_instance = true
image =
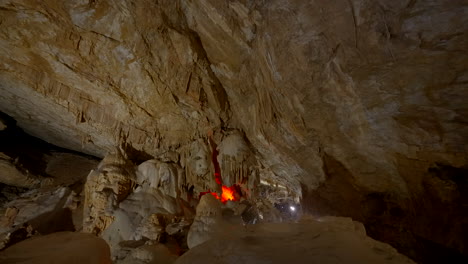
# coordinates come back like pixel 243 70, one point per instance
pixel 99 72
pixel 370 83
pixel 372 91
pixel 429 226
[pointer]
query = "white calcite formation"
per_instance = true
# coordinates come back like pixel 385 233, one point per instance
pixel 237 162
pixel 159 176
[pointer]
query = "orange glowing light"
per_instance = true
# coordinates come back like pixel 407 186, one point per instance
pixel 228 194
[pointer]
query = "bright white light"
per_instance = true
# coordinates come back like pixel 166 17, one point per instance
pixel 292 208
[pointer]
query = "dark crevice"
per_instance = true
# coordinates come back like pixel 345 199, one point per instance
pixel 28 152
pixel 431 227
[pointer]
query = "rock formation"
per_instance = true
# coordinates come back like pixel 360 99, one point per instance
pixel 351 108
pixel 105 189
pixel 237 162
pixel 323 240
pixel 199 168
pixel 205 222
pixel 34 212
pixel 62 247
pixel 11 175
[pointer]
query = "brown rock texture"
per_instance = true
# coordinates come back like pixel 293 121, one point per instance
pixel 105 188
pixel 356 106
pixel 323 240
pixel 124 73
pixel 62 247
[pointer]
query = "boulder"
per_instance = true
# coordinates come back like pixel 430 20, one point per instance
pixel 57 248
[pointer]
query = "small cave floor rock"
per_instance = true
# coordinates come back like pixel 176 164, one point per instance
pixel 58 248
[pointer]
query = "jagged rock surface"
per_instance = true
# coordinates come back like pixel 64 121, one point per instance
pixel 125 203
pixel 199 168
pixel 131 75
pixel 11 175
pixel 353 104
pixel 105 188
pixel 28 162
pixel 36 212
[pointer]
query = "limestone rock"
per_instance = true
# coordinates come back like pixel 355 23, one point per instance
pixel 149 254
pixel 11 175
pixel 138 218
pixel 129 204
pixel 67 168
pixel 63 247
pixel 10 193
pixel 237 162
pixel 199 169
pixel 36 211
pixel 35 203
pixel 267 212
pixel 316 88
pixel 207 219
pixel 328 240
pixel 311 87
pixel 160 176
pixel 8 218
pixel 370 91
pixel 177 227
pixel 105 81
pixel 105 188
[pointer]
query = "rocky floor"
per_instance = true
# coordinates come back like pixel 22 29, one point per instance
pixel 63 247
pixel 324 240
